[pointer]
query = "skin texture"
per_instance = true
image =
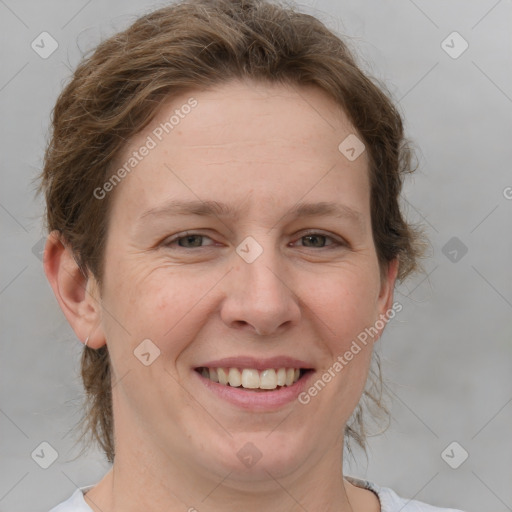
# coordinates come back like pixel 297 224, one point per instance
pixel 260 148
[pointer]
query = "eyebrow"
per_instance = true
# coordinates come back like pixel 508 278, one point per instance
pixel 218 209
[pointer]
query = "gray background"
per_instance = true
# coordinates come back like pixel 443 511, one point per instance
pixel 447 355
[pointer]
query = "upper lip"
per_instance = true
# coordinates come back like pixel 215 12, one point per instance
pixel 257 363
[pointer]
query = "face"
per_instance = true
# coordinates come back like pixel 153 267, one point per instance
pixel 250 278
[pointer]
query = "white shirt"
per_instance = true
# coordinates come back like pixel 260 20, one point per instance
pixel 389 500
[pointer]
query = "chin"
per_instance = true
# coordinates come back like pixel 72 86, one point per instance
pixel 257 457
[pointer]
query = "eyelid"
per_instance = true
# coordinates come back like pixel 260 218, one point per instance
pixel 337 241
pixel 174 238
pixel 322 233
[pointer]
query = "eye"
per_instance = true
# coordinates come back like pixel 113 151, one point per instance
pixel 317 240
pixel 313 239
pixel 190 240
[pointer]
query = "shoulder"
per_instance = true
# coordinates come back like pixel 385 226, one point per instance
pixel 391 502
pixel 75 503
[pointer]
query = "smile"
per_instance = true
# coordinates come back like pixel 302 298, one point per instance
pixel 253 383
pixel 251 378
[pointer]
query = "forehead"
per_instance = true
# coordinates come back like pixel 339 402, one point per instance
pixel 274 143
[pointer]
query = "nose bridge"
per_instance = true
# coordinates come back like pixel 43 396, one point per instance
pixel 261 263
pixel 260 295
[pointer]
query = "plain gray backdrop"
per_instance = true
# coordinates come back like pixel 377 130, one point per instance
pixel 447 357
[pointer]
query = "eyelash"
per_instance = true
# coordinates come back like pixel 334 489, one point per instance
pixel 336 243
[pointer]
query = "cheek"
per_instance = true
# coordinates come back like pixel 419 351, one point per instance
pixel 166 305
pixel 170 304
pixel 345 302
pixel 345 307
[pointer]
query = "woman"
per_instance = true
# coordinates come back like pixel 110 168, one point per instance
pixel 222 190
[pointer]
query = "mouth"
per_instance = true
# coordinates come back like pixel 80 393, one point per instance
pixel 252 379
pixel 255 384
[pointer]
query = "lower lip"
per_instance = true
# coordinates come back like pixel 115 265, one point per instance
pixel 257 400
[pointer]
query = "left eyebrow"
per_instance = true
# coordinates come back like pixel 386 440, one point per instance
pixel 219 209
pixel 200 208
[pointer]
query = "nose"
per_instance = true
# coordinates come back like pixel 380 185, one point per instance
pixel 260 295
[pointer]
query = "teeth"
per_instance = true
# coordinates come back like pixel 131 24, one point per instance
pixel 268 379
pixel 250 378
pixel 235 378
pixel 222 375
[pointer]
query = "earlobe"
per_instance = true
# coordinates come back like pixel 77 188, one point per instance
pixel 76 293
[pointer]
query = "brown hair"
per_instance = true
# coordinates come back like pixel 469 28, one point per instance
pixel 116 91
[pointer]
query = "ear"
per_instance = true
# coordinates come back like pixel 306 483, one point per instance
pixel 77 294
pixel 385 301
